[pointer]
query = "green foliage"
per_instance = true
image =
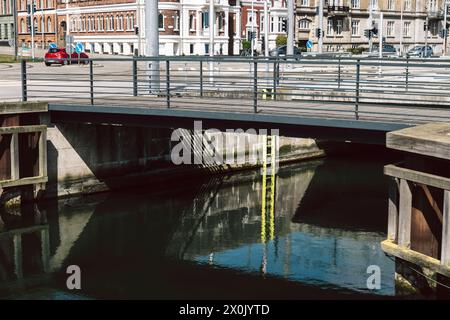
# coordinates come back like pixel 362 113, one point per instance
pixel 281 41
pixel 357 50
pixel 246 45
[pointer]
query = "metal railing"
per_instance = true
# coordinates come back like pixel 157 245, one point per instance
pixel 333 86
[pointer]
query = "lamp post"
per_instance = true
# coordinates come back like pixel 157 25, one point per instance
pixel 290 28
pixel 321 26
pixel 152 42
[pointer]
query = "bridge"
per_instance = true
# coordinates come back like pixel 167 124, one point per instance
pixel 346 99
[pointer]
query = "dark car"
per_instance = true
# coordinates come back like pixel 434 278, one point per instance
pixel 388 50
pixel 421 51
pixel 282 52
pixel 60 56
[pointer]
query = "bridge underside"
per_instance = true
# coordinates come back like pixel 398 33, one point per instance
pixel 290 123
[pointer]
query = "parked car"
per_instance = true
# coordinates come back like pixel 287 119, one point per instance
pixel 421 51
pixel 282 52
pixel 60 56
pixel 388 50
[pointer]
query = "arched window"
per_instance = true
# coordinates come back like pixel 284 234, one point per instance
pixel 49 24
pixel 161 21
pixel 22 26
pixel 108 25
pixel 42 24
pixel 49 4
pixel 35 23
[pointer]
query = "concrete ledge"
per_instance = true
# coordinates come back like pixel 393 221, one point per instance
pixel 22 107
pixel 414 257
pixel 431 139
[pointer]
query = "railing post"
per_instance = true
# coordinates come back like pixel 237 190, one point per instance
pixel 168 83
pixel 275 80
pixel 255 86
pixel 407 73
pixel 445 253
pixel 24 80
pixel 404 220
pixel 339 73
pixel 393 209
pixel 135 77
pixel 91 80
pixel 358 74
pixel 201 78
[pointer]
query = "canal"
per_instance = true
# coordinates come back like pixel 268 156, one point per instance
pixel 207 238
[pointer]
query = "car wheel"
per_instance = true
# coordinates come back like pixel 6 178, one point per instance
pixel 65 63
pixel 48 64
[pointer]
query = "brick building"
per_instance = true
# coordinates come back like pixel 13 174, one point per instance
pixel 44 20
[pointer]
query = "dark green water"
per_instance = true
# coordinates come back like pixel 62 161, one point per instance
pixel 205 239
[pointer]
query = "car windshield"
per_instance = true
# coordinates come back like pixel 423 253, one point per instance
pixel 53 50
pixel 418 48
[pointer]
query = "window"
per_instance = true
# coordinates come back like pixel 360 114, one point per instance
pixel 432 6
pixel 356 4
pixel 391 4
pixel 374 4
pixel 304 3
pixel 434 28
pixel 271 24
pixel 221 20
pixel 339 25
pixel 176 21
pixel 406 28
pixel 407 5
pixel 355 27
pixel 205 19
pixel 100 23
pixel 303 24
pixel 330 27
pixel 49 24
pixel 192 22
pixel 22 26
pixel 390 28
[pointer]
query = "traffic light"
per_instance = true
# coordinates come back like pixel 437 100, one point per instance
pixel 444 33
pixel 136 30
pixel 284 25
pixel 374 31
pixel 319 33
pixel 367 33
pixel 29 23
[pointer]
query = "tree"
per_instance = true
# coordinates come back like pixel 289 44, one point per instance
pixel 246 45
pixel 281 41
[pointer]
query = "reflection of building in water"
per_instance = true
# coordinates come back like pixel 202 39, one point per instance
pixel 24 252
pixel 239 234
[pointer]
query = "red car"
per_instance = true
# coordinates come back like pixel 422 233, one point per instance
pixel 60 56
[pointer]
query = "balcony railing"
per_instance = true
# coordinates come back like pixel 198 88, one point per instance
pixel 337 10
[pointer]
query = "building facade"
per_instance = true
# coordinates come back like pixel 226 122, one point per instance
pixel 406 23
pixel 6 22
pixel 44 21
pixel 118 26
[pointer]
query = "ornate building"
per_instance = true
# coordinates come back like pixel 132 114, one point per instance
pixel 404 23
pixel 6 22
pixel 44 20
pixel 117 26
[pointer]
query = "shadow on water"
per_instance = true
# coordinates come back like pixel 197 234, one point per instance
pixel 209 239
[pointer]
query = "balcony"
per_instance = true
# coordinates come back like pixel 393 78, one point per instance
pixel 338 10
pixel 435 14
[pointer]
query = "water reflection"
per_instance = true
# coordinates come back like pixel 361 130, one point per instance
pixel 181 241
